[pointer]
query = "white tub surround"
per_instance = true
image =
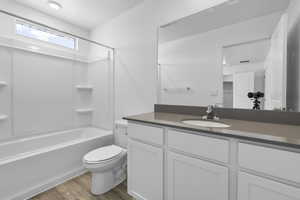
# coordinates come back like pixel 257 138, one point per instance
pixel 32 165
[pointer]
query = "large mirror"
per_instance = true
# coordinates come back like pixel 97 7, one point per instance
pixel 240 54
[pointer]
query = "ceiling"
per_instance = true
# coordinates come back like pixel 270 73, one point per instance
pixel 86 14
pixel 220 16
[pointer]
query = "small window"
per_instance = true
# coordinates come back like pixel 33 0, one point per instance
pixel 43 34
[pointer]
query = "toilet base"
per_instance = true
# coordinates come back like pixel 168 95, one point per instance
pixel 105 181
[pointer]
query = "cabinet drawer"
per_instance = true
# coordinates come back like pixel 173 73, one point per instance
pixel 274 162
pixel 211 148
pixel 149 134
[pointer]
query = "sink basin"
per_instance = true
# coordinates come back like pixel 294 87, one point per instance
pixel 207 124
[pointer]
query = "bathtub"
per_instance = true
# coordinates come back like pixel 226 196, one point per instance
pixel 32 165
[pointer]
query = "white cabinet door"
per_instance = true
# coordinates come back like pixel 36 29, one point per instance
pixel 256 188
pixel 145 171
pixel 194 179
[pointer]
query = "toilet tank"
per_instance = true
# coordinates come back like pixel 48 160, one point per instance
pixel 121 138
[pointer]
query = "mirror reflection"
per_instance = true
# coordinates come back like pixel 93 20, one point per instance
pixel 240 54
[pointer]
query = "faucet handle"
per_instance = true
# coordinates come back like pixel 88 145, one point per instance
pixel 210 108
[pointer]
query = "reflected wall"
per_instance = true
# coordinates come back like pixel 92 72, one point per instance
pixel 293 57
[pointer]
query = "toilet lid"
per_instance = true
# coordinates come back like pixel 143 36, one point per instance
pixel 103 153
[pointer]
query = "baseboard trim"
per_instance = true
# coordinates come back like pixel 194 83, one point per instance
pixel 33 191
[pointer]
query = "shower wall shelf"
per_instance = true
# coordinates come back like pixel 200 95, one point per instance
pixel 3 84
pixel 3 117
pixel 85 111
pixel 85 87
pixel 178 90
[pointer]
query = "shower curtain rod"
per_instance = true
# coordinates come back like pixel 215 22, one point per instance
pixel 55 29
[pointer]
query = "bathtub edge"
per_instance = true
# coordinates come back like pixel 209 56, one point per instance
pixel 47 185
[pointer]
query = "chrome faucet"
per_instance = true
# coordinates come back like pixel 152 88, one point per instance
pixel 210 113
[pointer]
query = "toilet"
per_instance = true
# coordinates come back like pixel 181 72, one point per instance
pixel 108 164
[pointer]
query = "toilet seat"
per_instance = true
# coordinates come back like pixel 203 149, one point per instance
pixel 103 154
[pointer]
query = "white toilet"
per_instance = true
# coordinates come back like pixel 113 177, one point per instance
pixel 108 164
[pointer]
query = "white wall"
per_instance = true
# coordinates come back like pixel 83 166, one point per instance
pixel 275 66
pixel 197 60
pixel 134 35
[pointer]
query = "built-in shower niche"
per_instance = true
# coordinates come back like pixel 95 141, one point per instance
pixel 3 117
pixel 3 84
pixel 5 93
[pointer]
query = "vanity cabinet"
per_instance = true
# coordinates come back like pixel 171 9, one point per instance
pixel 194 179
pixel 145 162
pixel 173 164
pixel 257 188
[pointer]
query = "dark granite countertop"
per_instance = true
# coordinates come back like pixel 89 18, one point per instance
pixel 279 134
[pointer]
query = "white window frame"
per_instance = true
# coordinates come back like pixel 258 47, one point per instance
pixel 46 30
